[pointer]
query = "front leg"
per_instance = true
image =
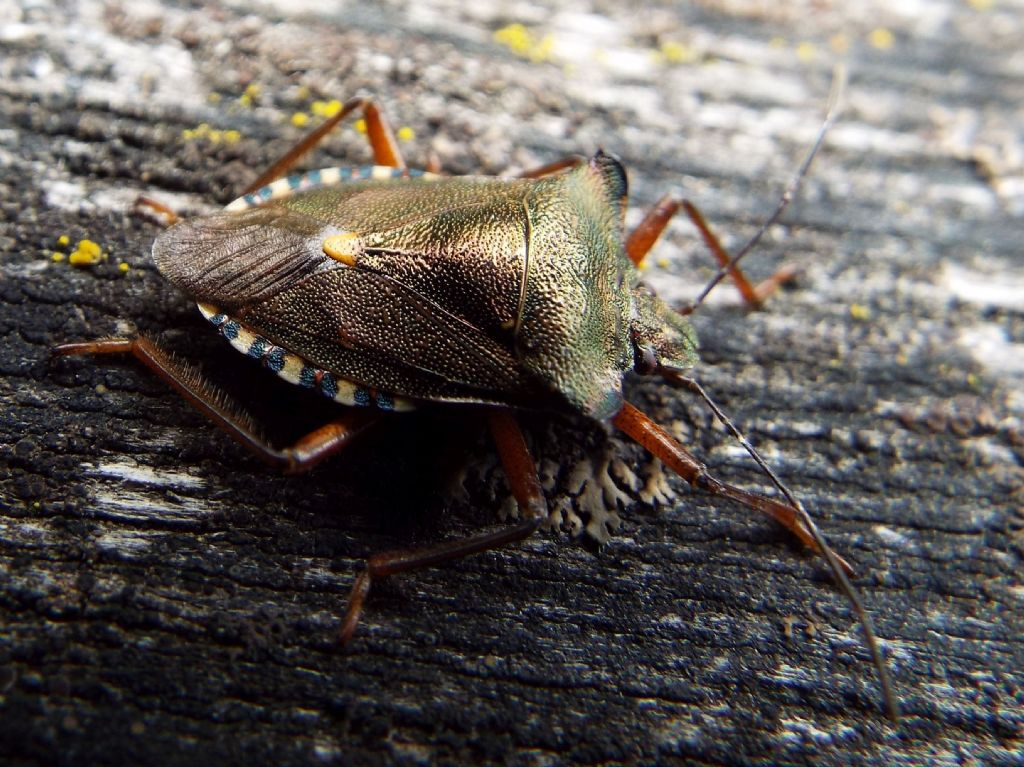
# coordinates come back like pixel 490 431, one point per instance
pixel 642 239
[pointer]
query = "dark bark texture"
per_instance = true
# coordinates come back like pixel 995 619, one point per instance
pixel 165 599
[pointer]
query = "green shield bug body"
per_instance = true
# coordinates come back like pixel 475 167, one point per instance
pixel 502 292
pixel 388 288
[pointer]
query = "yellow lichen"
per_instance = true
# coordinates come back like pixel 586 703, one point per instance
pixel 515 37
pixel 332 108
pixel 86 253
pixel 326 109
pixel 672 52
pixel 213 135
pixel 806 51
pixel 200 131
pixel 525 43
pixel 881 38
pixel 249 96
pixel 860 312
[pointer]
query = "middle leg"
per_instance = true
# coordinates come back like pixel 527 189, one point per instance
pixel 378 132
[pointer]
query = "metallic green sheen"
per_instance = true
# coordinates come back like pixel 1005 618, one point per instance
pixel 464 289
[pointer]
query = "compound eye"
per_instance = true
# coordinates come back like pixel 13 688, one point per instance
pixel 644 360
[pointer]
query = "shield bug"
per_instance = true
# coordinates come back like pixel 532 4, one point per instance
pixel 386 288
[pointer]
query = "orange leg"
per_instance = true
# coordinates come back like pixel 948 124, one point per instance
pixel 522 477
pixel 753 296
pixel 640 241
pixel 378 131
pixel 652 437
pixel 647 232
pixel 306 453
pixel 729 264
pixel 660 444
pixel 156 211
pixel 553 167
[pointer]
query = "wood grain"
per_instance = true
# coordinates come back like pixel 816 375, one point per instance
pixel 165 598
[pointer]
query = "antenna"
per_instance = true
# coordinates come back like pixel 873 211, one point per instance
pixel 835 95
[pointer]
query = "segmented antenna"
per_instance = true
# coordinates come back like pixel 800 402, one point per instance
pixel 838 86
pixel 888 694
pixel 676 376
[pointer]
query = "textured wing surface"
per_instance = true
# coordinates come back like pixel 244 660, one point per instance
pixel 393 318
pixel 375 330
pixel 238 259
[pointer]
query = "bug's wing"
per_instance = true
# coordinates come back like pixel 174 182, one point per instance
pixel 373 329
pixel 267 266
pixel 237 259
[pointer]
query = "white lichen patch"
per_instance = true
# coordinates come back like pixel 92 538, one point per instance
pixel 479 468
pixel 64 194
pixel 564 517
pixel 509 509
pixel 586 491
pixel 134 472
pixel 656 490
pixel 800 731
pixel 892 538
pixel 991 287
pixel 989 284
pixel 135 71
pixel 593 496
pixel 991 348
pixel 128 541
pixel 128 506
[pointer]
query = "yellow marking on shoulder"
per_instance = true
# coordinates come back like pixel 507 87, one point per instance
pixel 345 247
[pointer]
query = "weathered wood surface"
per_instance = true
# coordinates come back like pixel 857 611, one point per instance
pixel 165 599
